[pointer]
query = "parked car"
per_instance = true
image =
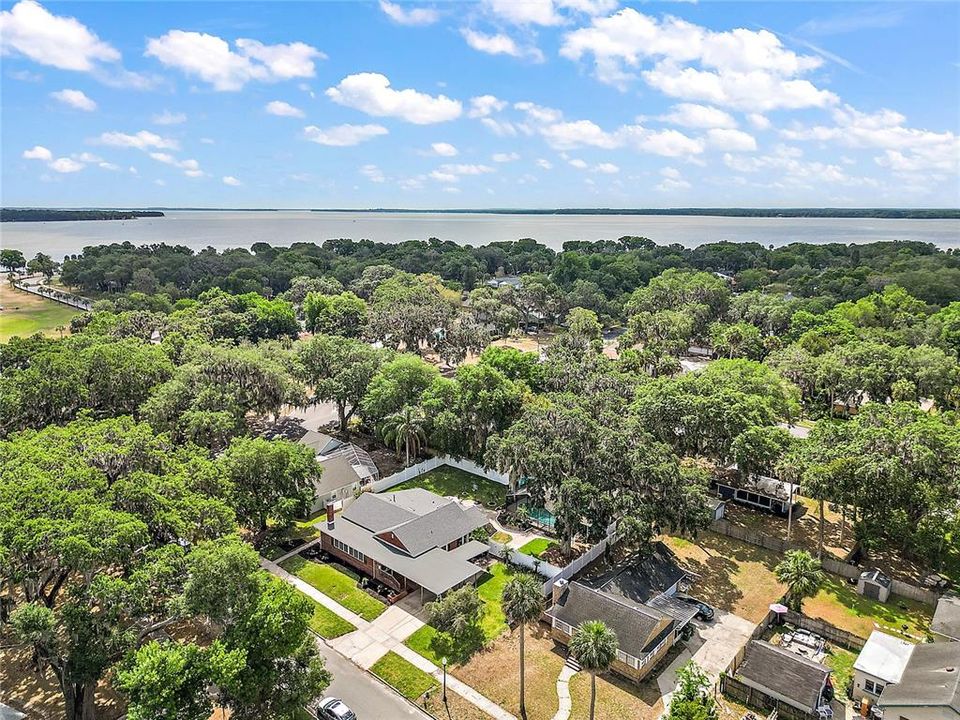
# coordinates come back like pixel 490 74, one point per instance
pixel 331 708
pixel 704 611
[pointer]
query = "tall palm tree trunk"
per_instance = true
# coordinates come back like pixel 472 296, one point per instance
pixel 820 549
pixel 593 694
pixel 523 704
pixel 408 450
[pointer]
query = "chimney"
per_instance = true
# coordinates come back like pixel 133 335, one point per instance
pixel 330 515
pixel 557 591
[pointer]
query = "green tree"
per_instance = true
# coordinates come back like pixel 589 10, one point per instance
pixel 405 429
pixel 344 314
pixel 595 646
pixel 11 259
pixel 457 613
pixel 399 382
pixel 43 264
pixel 523 604
pixel 691 700
pixel 802 574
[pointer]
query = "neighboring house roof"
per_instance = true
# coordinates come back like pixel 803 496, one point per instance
pixel 320 443
pixel 407 530
pixel 796 678
pixel 946 619
pixel 337 473
pixel 760 484
pixel 358 457
pixel 652 573
pixel 8 713
pixel 930 679
pixel 884 657
pixel 638 627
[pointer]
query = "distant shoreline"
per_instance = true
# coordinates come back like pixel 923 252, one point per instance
pixel 851 213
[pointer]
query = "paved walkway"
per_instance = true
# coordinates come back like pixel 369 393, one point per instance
pixel 563 693
pixel 372 640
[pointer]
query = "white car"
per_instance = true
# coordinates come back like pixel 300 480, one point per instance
pixel 331 708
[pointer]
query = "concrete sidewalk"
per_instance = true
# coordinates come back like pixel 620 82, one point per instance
pixel 372 640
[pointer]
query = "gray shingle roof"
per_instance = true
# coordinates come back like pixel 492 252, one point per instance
pixel 320 443
pixel 946 619
pixel 635 625
pixel 787 674
pixel 438 527
pixel 931 678
pixel 376 514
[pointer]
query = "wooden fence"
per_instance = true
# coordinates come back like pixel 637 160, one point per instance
pixel 832 633
pixel 752 697
pixel 831 565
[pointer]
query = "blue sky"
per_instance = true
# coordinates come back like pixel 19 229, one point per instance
pixel 496 103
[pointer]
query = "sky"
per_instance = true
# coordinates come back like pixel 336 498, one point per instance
pixel 493 103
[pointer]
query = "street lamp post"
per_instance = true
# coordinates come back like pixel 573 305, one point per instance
pixel 444 663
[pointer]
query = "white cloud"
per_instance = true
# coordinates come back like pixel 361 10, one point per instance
pixel 441 176
pixel 792 170
pixel 672 180
pixel 371 93
pixel 108 166
pixel 545 164
pixel 500 128
pixel 74 98
pixel 38 152
pixel 760 122
pixel 443 149
pixel 211 59
pixel 499 44
pixel 65 165
pixel 699 116
pixel 86 157
pixel 732 140
pixel 411 16
pixel 740 68
pixel 208 141
pixel 373 173
pixel 525 12
pixel 160 182
pixel 501 157
pixel 63 42
pixel 169 118
pixel 578 163
pixel 141 140
pixel 231 181
pixel 283 109
pixel 343 135
pixel 191 168
pixel 484 105
pixel 464 169
pixel 539 113
pixel 451 190
pixel 606 168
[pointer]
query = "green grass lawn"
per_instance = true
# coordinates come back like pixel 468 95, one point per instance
pixel 25 314
pixel 448 480
pixel 537 547
pixel 841 662
pixel 326 623
pixel 839 604
pixel 335 584
pixel 411 681
pixel 501 537
pixel 434 645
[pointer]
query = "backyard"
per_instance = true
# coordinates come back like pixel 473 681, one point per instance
pixel 25 314
pixel 434 645
pixel 337 583
pixel 537 547
pixel 448 481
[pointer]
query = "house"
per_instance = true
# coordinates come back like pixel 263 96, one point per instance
pixel 881 662
pixel 645 632
pixel 874 584
pixel 759 491
pixel 929 688
pixel 514 281
pixel 946 619
pixel 785 677
pixel 717 507
pixel 408 540
pixel 347 469
pixel 636 600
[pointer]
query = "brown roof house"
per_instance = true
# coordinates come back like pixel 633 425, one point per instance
pixel 784 677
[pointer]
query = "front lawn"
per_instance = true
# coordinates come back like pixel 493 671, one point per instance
pixel 335 584
pixel 326 623
pixel 434 645
pixel 447 480
pixel 839 604
pixel 407 678
pixel 616 698
pixel 537 547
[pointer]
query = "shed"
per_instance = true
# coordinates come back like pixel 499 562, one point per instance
pixel 784 676
pixel 874 584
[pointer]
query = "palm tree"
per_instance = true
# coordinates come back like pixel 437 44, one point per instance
pixel 523 604
pixel 594 645
pixel 802 575
pixel 405 429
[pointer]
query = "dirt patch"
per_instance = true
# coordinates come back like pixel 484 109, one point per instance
pixel 617 698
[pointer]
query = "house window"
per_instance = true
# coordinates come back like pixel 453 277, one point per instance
pixel 872 687
pixel 344 548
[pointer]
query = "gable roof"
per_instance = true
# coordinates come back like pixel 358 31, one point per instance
pixel 638 627
pixel 375 514
pixel 931 678
pixel 337 473
pixel 320 443
pixel 787 674
pixel 946 619
pixel 437 528
pixel 884 656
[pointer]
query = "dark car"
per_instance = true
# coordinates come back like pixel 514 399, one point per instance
pixel 704 611
pixel 331 708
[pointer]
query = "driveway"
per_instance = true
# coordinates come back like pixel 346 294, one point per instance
pixel 712 647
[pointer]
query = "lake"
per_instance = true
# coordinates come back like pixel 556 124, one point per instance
pixel 223 229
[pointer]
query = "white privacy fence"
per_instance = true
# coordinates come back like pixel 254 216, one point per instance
pixel 525 561
pixel 581 562
pixel 433 463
